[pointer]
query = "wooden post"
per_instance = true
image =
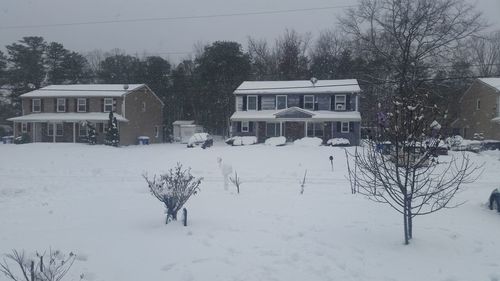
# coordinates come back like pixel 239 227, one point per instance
pixel 74 132
pixel 53 132
pixel 184 216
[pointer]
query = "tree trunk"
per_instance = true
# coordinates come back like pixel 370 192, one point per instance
pixel 171 216
pixel 405 221
pixel 410 221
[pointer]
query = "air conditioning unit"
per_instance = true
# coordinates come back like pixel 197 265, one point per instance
pixel 340 107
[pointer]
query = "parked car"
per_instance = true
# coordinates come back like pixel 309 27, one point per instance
pixel 200 139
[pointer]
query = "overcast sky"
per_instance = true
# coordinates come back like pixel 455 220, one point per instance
pixel 172 38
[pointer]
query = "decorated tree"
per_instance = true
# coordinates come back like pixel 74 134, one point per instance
pixel 92 135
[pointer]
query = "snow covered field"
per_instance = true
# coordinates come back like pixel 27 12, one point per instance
pixel 92 200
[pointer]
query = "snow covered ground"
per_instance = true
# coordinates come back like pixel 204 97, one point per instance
pixel 92 200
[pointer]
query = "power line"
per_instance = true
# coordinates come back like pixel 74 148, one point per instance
pixel 270 12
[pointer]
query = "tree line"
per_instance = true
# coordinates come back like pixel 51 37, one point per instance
pixel 393 47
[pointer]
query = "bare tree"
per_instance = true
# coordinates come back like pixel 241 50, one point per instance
pixel 408 176
pixel 264 65
pixel 291 55
pixel 43 267
pixel 485 53
pixel 410 36
pixel 174 189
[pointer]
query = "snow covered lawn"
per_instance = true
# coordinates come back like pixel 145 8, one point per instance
pixel 92 200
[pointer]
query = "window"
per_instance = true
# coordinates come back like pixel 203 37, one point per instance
pixel 345 127
pixel 281 102
pixel 36 105
pixel 340 102
pixel 309 102
pixel 252 103
pixel 59 129
pixel 245 126
pixel 24 127
pixel 143 106
pixel 478 104
pixel 157 131
pixel 81 105
pixel 273 130
pixel 315 129
pixel 108 104
pixel 83 130
pixel 61 105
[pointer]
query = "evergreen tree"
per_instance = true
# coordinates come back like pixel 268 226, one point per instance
pixel 76 68
pixel 92 137
pixel 54 60
pixel 27 70
pixel 112 134
pixel 120 68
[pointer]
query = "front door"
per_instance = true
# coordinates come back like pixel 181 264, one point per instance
pixel 294 130
pixel 37 132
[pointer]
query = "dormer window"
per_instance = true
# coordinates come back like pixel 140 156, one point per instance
pixel 251 102
pixel 36 105
pixel 340 102
pixel 281 102
pixel 309 102
pixel 61 105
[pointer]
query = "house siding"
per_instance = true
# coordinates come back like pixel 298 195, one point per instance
pixel 472 120
pixel 141 123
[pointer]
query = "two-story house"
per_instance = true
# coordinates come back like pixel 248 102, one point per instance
pixel 296 109
pixel 60 113
pixel 479 110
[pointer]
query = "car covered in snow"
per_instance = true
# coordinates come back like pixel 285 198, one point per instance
pixel 200 139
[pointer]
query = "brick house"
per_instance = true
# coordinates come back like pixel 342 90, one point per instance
pixel 479 111
pixel 296 109
pixel 59 113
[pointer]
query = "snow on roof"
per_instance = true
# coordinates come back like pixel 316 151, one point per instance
pixel 83 90
pixel 67 117
pixel 493 82
pixel 298 86
pixel 319 115
pixel 183 122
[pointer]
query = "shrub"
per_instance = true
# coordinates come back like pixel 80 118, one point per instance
pixel 174 189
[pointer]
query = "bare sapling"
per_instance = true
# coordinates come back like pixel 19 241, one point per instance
pixel 236 181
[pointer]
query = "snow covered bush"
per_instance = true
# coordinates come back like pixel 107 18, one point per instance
pixel 52 266
pixel 247 140
pixel 338 142
pixel 276 141
pixel 174 189
pixel 308 141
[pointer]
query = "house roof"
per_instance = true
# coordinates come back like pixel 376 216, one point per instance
pixel 67 117
pixel 273 115
pixel 183 122
pixel 492 82
pixel 298 87
pixel 80 90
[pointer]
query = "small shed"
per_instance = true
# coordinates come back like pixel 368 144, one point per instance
pixel 184 129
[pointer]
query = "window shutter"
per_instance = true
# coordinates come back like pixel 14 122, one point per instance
pixel 250 127
pixel 332 102
pixel 351 127
pixel 76 105
pixel 31 105
pixel 259 102
pixel 339 127
pixel 244 104
pixel 41 106
pixel 87 105
pixel 55 105
pixel 114 105
pixel 348 102
pixel 301 101
pixel 102 105
pixel 316 103
pixel 238 127
pixel 66 108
